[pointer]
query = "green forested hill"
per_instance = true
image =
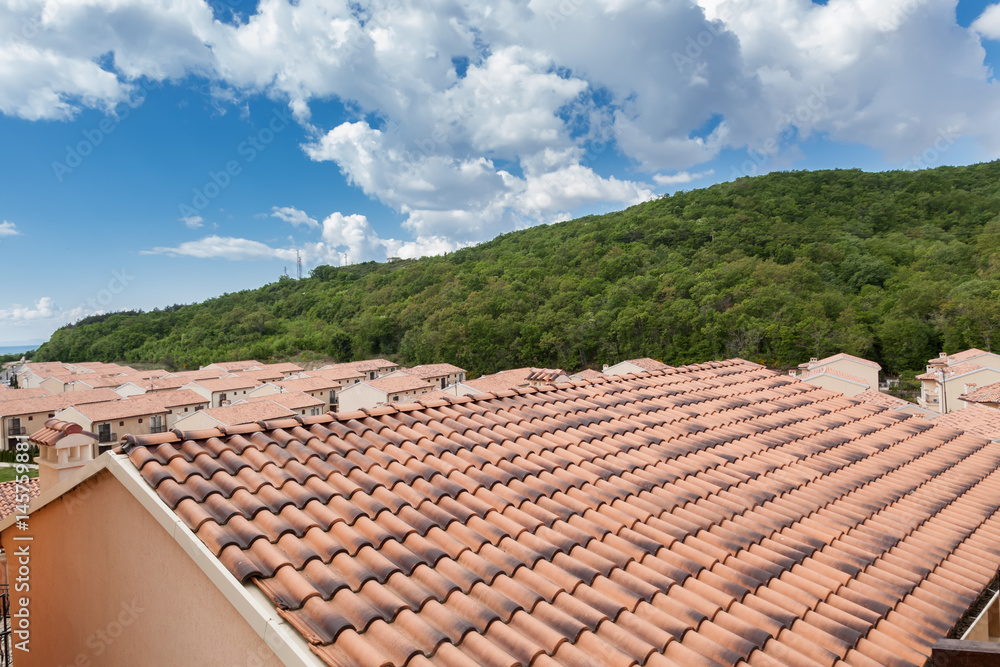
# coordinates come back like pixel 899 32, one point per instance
pixel 893 266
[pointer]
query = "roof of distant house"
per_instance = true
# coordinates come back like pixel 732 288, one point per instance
pixel 825 370
pixel 283 367
pixel 15 394
pixel 234 365
pixel 958 357
pixel 262 375
pixel 977 419
pixel 844 356
pixel 249 412
pixel 345 374
pixel 395 385
pixel 989 393
pixel 589 374
pixel 14 493
pixel 952 371
pixel 711 514
pixel 647 364
pixel 509 379
pixel 882 400
pixel 308 384
pixel 546 374
pixel 427 371
pixel 200 374
pixel 295 400
pixel 363 366
pixel 227 383
pixel 27 406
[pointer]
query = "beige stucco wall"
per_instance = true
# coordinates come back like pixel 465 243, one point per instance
pixel 195 422
pixel 110 587
pixel 863 371
pixel 53 385
pixel 359 396
pixel 837 384
pixel 129 389
pixel 622 368
pixel 956 386
pixel 31 423
pixel 179 412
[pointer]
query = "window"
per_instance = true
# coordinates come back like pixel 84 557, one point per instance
pixel 31 417
pixel 51 415
pixel 121 423
pixel 140 420
pixel 395 398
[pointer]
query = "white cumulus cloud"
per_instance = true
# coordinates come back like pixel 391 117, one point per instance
pixel 988 23
pixel 8 229
pixel 224 247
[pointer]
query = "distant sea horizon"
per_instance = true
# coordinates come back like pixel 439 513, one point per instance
pixel 14 349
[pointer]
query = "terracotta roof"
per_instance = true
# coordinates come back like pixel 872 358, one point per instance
pixel 362 366
pixel 234 365
pixel 228 383
pixel 433 370
pixel 308 384
pixel 964 355
pixel 706 515
pixel 295 400
pixel 843 356
pixel 882 400
pixel 432 395
pixel 15 495
pixel 397 384
pixel 589 374
pixel 119 409
pixel 816 372
pixel 648 364
pixel 283 367
pixel 15 394
pixel 546 374
pixel 989 393
pixel 246 413
pixel 266 375
pixel 952 371
pixel 27 406
pixel 509 379
pixel 200 374
pixel 336 374
pixel 55 430
pixel 977 419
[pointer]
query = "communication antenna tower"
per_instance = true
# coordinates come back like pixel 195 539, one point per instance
pixel 298 263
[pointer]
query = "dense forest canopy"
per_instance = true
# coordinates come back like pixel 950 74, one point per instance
pixel 892 266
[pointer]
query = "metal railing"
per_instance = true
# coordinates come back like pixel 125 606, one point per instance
pixel 6 649
pixel 104 436
pixel 162 428
pixel 16 430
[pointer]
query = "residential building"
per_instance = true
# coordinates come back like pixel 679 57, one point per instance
pixel 342 376
pixel 151 413
pixel 238 414
pixel 842 366
pixel 22 417
pixel 893 403
pixel 223 391
pixel 260 375
pixel 943 385
pixel 988 396
pixel 836 380
pixel 317 387
pixel 233 366
pixel 641 365
pixel 978 419
pixel 713 514
pixel 298 402
pixel 510 379
pixel 382 391
pixel 14 394
pixel 285 368
pixel 370 368
pixel 439 375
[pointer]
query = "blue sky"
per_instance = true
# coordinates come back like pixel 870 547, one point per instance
pixel 165 153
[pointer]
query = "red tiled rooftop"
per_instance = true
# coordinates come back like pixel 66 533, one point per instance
pixel 14 495
pixel 295 400
pixel 590 374
pixel 953 370
pixel 823 370
pixel 228 383
pixel 231 366
pixel 882 400
pixel 715 514
pixel 247 413
pixel 308 384
pixel 989 393
pixel 977 419
pixel 843 356
pixel 363 366
pixel 17 394
pixel 959 357
pixel 648 364
pixel 394 385
pixel 27 406
pixel 427 371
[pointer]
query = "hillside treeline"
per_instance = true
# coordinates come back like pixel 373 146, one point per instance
pixel 892 266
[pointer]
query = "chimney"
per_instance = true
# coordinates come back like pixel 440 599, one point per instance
pixel 63 449
pixel 605 367
pixel 970 387
pixel 813 360
pixel 792 372
pixel 942 355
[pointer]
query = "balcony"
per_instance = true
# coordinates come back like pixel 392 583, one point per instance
pixel 16 430
pixel 162 428
pixel 105 437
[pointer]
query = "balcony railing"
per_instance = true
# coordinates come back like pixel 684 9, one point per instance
pixel 104 436
pixel 6 650
pixel 162 428
pixel 16 430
